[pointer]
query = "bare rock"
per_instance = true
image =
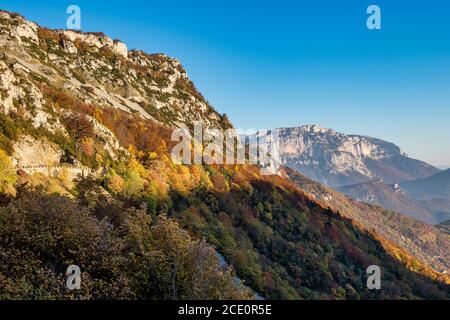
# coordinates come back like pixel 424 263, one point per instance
pixel 31 152
pixel 69 46
pixel 120 48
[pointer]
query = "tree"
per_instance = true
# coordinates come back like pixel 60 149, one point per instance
pixel 121 254
pixel 190 268
pixel 8 176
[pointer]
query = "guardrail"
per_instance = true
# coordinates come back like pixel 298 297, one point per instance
pixel 57 169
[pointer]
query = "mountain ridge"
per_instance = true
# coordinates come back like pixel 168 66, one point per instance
pixel 152 85
pixel 337 159
pixel 413 235
pixel 437 185
pixel 96 109
pixel 393 197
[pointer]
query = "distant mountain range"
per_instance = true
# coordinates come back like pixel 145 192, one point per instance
pixel 394 197
pixel 436 186
pixel 75 101
pixel 336 159
pixel 369 170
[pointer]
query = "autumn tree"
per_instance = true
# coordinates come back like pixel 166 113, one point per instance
pixel 8 176
pixel 189 269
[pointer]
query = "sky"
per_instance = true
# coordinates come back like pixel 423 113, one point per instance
pixel 269 64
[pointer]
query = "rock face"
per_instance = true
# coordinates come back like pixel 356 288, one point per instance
pixel 92 39
pixel 68 46
pixel 97 70
pixel 29 152
pixel 336 159
pixel 28 30
pixel 120 48
pixel 19 28
pixel 97 40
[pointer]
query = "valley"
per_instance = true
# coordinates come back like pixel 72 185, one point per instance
pixel 368 170
pixel 145 228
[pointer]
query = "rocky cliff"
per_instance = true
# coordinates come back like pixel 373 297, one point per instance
pixel 95 69
pixel 337 159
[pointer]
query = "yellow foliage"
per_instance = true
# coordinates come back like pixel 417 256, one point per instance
pixel 134 182
pixel 116 183
pixel 53 186
pixel 64 177
pixel 134 165
pixel 87 146
pixel 132 150
pixel 183 170
pixel 8 177
pixel 97 114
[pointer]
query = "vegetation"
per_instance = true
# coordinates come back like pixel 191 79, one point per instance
pixel 419 239
pixel 122 253
pixel 282 244
pixel 7 175
pixel 135 229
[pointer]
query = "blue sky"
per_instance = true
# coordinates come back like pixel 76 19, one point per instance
pixel 286 63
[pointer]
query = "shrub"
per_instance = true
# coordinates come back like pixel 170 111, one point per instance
pixel 8 176
pixel 120 253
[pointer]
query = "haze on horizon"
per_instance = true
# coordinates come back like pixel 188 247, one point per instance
pixel 284 63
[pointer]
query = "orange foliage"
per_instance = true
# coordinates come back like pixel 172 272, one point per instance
pixel 87 146
pixel 47 34
pixel 141 134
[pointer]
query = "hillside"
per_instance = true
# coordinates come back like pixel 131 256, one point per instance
pixel 445 226
pixel 421 240
pixel 437 185
pixel 336 159
pixel 86 178
pixel 393 197
pixel 99 71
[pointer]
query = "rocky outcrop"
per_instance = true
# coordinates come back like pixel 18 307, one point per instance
pixel 97 40
pixel 109 140
pixel 68 46
pixel 336 159
pixel 18 28
pixel 27 30
pixel 8 90
pixel 153 86
pixel 120 48
pixel 29 152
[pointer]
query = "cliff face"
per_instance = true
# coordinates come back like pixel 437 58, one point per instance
pixel 95 69
pixel 336 159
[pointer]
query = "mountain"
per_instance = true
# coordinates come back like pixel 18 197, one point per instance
pixel 423 241
pixel 439 206
pixel 336 159
pixel 98 70
pixel 437 185
pixel 393 197
pixel 445 226
pixel 86 178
